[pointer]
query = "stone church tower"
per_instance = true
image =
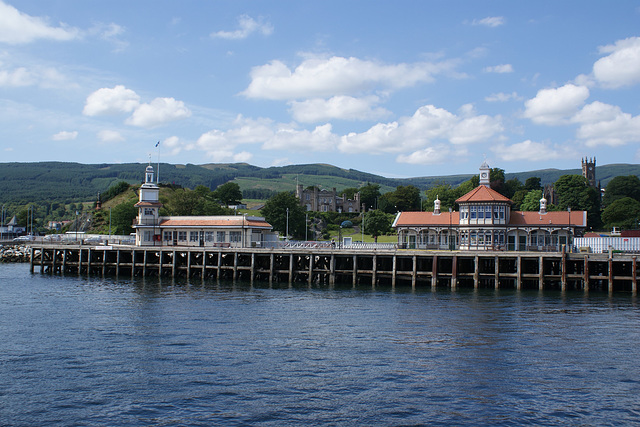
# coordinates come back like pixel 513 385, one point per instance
pixel 589 170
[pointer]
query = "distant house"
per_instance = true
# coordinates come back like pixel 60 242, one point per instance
pixel 11 229
pixel 206 231
pixel 485 221
pixel 320 200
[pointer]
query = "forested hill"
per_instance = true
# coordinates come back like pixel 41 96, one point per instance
pixel 22 183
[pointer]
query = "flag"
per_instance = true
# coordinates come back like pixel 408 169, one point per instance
pixel 158 143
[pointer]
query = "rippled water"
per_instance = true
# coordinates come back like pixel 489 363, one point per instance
pixel 93 351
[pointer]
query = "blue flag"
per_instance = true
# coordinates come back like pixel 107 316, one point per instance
pixel 158 143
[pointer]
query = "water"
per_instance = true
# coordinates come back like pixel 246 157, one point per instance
pixel 95 352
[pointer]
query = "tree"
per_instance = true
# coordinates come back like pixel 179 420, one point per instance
pixel 533 183
pixel 531 201
pixel 348 193
pixel 407 198
pixel 377 222
pixel 623 213
pixel 122 217
pixel 228 194
pixel 275 213
pixel 496 178
pixel 575 192
pixel 369 195
pixel 511 187
pixel 620 187
pixel 443 192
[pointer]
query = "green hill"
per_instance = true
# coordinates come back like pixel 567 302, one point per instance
pixel 47 182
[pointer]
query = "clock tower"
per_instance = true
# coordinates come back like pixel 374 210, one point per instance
pixel 484 174
pixel 589 170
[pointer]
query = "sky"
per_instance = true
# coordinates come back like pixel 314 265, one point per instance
pixel 399 89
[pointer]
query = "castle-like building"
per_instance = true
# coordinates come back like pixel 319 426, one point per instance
pixel 485 221
pixel 320 200
pixel 206 231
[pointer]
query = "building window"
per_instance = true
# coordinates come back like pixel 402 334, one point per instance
pixel 166 235
pixel 501 212
pixel 307 196
pixel 193 236
pixel 220 237
pixel 473 212
pixel 464 212
pixel 208 236
pixel 235 236
pixel 147 236
pixel 148 211
pixel 182 236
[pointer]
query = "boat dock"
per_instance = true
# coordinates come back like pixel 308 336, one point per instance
pixel 415 268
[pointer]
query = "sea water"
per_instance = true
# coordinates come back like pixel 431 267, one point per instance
pixel 93 351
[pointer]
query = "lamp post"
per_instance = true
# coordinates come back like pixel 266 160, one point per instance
pixel 287 230
pixel 109 222
pixel 570 230
pixel 450 243
pixel 306 227
pixel 364 212
pixel 76 226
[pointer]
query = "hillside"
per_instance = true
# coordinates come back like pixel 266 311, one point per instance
pixel 23 183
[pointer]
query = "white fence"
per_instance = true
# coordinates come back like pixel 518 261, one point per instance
pixel 602 244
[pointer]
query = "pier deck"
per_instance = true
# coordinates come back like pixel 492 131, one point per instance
pixel 415 268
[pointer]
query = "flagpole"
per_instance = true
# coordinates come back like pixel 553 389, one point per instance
pixel 158 169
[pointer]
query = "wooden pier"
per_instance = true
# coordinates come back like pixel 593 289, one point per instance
pixel 415 268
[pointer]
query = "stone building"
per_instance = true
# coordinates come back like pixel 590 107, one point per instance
pixel 320 200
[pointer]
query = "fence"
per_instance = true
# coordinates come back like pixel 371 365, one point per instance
pixel 603 244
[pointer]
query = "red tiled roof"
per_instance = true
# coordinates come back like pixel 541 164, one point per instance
pixel 577 218
pixel 483 193
pixel 199 221
pixel 407 219
pixel 147 204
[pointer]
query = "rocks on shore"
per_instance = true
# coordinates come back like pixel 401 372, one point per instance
pixel 15 253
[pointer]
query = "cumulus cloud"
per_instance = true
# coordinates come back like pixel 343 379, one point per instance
pixel 158 112
pixel 320 77
pixel 108 101
pixel 556 106
pixel 528 150
pixel 37 76
pixel 110 136
pixel 500 69
pixel 246 26
pixel 289 138
pixel 622 66
pixel 221 145
pixel 604 124
pixel 337 107
pixel 65 136
pixel 490 21
pixel 16 78
pixel 19 28
pixel 427 126
pixel 427 156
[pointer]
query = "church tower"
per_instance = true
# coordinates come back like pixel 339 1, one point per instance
pixel 589 170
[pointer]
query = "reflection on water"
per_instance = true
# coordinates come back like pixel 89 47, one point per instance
pixel 95 351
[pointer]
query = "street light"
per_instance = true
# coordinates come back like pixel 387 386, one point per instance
pixel 287 231
pixel 450 244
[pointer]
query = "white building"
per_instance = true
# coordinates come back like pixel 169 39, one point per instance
pixel 485 221
pixel 206 231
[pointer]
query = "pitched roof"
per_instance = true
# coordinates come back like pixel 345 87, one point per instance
pixel 483 193
pixel 407 219
pixel 213 221
pixel 576 218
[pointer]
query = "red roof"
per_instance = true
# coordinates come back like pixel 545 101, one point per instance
pixel 407 219
pixel 483 193
pixel 577 218
pixel 200 221
pixel 146 204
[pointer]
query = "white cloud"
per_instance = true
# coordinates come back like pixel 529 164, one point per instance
pixel 111 101
pixel 428 125
pixel 110 136
pixel 528 150
pixel 247 26
pixel 291 139
pixel 604 124
pixel 220 145
pixel 337 107
pixel 556 106
pixel 490 21
pixel 158 112
pixel 502 97
pixel 622 66
pixel 65 136
pixel 242 157
pixel 427 156
pixel 110 33
pixel 320 77
pixel 500 69
pixel 19 28
pixel 16 78
pixel 48 78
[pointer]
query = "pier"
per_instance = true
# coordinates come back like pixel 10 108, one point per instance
pixel 414 268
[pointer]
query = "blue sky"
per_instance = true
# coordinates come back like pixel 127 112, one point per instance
pixel 400 89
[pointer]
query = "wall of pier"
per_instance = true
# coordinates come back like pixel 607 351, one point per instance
pixel 515 270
